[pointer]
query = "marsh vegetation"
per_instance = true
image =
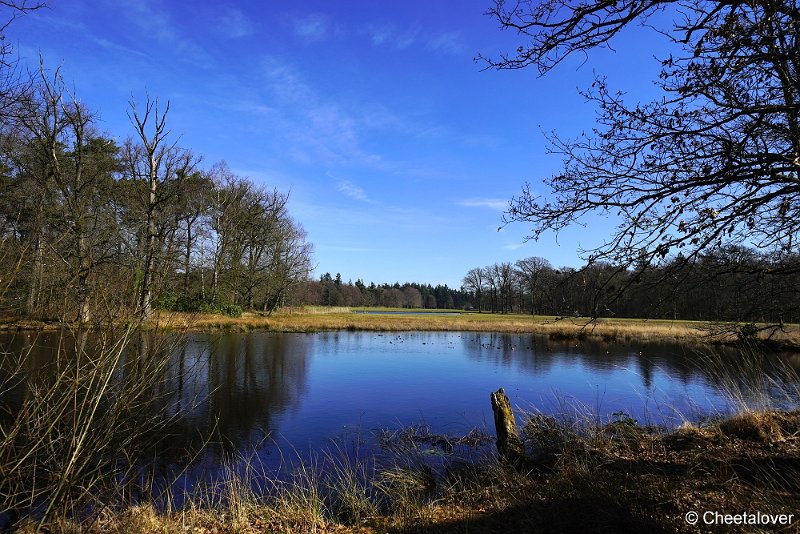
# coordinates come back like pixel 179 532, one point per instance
pixel 373 430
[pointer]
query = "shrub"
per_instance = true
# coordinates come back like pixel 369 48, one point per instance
pixel 196 304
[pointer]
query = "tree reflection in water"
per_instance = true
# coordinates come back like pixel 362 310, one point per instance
pixel 267 396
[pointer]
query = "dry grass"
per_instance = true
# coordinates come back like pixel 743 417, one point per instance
pixel 580 477
pixel 66 442
pixel 321 319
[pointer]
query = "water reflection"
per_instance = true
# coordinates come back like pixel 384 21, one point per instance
pixel 230 389
pixel 538 355
pixel 227 393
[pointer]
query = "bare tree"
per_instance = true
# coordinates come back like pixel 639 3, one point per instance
pixel 72 164
pixel 194 203
pixel 474 283
pixel 161 165
pixel 229 194
pixel 531 273
pixel 412 297
pixel 291 263
pixel 714 161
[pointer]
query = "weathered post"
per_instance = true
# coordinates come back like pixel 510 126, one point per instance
pixel 508 443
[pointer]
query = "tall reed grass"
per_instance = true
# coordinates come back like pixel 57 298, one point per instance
pixel 77 425
pixel 69 450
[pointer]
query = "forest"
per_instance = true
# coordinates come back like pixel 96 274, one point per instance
pixel 733 284
pixel 727 284
pixel 92 229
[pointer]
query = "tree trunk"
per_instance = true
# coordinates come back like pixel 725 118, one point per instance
pixel 508 443
pixel 32 301
pixel 146 304
pixel 187 261
pixel 84 268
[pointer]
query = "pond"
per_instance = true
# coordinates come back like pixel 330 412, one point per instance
pixel 269 393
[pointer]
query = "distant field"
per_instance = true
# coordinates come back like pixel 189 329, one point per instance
pixel 319 318
pixel 324 318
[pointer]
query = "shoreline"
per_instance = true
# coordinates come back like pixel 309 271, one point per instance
pixel 575 476
pixel 574 473
pixel 389 320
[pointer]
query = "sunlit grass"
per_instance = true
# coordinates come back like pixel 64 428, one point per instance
pixel 314 319
pixel 331 318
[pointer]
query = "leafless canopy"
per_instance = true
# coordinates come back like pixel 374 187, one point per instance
pixel 12 9
pixel 713 162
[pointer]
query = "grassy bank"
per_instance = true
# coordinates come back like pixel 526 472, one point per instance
pixel 311 319
pixel 577 477
pixel 317 318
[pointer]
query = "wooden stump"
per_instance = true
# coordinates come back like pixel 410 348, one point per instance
pixel 508 443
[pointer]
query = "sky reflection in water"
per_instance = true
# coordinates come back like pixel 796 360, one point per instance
pixel 276 395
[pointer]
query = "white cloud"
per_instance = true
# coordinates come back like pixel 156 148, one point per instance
pixel 311 28
pixel 287 84
pixel 513 246
pixel 352 190
pixel 447 43
pixel 372 215
pixel 235 24
pixel 389 35
pixel 317 128
pixel 407 38
pixel 498 204
pixel 115 47
pixel 154 23
pixel 380 35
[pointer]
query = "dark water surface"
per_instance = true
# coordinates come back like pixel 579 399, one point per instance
pixel 266 393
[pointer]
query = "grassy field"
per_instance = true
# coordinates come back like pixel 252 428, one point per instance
pixel 314 319
pixel 321 318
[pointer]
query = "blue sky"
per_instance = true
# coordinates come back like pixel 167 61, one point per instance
pixel 399 152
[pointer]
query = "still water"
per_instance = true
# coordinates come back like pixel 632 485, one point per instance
pixel 266 392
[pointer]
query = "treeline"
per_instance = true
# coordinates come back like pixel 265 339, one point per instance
pixel 91 229
pixel 725 284
pixel 332 291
